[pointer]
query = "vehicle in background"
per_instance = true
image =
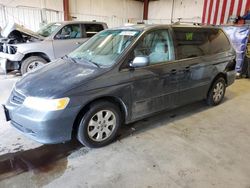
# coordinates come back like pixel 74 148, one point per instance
pixel 239 35
pixel 121 75
pixel 25 50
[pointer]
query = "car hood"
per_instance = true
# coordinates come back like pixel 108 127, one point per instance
pixel 56 78
pixel 15 27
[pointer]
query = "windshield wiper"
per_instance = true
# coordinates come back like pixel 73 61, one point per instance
pixel 72 59
pixel 92 62
pixel 96 64
pixel 86 60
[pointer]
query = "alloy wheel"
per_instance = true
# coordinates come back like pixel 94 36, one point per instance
pixel 101 125
pixel 218 92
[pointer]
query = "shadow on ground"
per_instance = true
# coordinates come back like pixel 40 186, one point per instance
pixel 164 118
pixel 38 160
pixel 48 158
pixel 12 74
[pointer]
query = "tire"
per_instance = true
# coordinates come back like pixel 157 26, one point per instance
pixel 93 128
pixel 216 92
pixel 32 60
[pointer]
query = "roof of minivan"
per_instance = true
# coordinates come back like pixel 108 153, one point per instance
pixel 193 26
pixel 151 26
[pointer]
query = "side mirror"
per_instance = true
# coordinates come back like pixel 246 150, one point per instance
pixel 140 61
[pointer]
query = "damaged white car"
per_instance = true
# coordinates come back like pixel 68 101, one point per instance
pixel 25 50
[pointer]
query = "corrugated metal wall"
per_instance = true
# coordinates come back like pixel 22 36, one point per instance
pixel 112 21
pixel 29 17
pixel 113 12
pixel 32 18
pixel 186 10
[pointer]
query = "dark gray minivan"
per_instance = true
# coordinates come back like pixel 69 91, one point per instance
pixel 119 76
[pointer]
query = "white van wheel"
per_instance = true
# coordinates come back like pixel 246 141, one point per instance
pixel 32 63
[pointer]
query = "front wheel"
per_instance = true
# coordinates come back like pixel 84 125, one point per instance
pixel 216 92
pixel 99 125
pixel 32 63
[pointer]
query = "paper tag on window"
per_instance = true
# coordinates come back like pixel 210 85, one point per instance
pixel 128 33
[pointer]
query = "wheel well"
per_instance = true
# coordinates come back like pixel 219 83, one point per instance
pixel 223 75
pixel 40 54
pixel 113 100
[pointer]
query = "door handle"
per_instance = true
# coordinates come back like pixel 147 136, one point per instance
pixel 173 71
pixel 186 69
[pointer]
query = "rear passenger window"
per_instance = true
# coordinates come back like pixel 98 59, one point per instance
pixel 195 42
pixel 92 29
pixel 218 41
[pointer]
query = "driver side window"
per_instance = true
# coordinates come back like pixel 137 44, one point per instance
pixel 157 46
pixel 69 32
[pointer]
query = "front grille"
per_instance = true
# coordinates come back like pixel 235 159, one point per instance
pixel 8 49
pixel 17 97
pixel 6 46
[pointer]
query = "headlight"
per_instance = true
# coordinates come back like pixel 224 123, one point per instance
pixel 46 104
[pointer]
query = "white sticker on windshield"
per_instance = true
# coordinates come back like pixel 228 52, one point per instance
pixel 128 33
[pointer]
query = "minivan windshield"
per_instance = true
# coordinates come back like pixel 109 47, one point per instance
pixel 47 30
pixel 104 48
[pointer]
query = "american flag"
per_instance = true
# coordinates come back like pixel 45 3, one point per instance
pixel 218 11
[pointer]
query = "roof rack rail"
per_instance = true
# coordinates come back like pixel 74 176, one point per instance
pixel 193 23
pixel 185 22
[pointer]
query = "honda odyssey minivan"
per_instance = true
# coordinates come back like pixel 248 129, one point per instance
pixel 119 76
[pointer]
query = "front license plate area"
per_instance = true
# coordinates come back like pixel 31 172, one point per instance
pixel 6 112
pixel 3 63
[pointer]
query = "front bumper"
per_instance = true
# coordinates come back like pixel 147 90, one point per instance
pixel 44 127
pixel 12 57
pixel 9 61
pixel 3 64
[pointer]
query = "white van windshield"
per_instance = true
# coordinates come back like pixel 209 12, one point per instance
pixel 104 48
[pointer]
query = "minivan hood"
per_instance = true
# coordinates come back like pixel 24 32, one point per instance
pixel 55 78
pixel 15 27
